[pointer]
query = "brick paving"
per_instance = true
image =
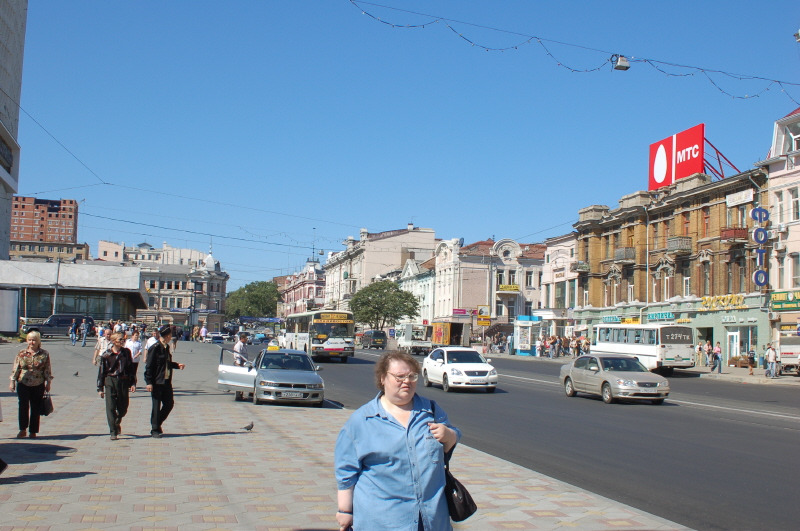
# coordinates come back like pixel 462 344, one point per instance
pixel 206 473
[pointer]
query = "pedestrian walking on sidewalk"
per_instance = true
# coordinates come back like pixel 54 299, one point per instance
pixel 389 457
pixel 751 360
pixel 73 332
pixel 102 344
pixel 116 377
pixel 771 357
pixel 707 350
pixel 135 346
pixel 158 377
pixel 716 358
pixel 84 329
pixel 30 377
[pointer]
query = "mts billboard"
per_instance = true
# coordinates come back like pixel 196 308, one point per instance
pixel 676 157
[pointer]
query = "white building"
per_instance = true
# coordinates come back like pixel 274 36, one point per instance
pixel 783 167
pixel 418 278
pixel 560 290
pixel 371 258
pixel 145 254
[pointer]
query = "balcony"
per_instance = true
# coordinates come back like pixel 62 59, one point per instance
pixel 579 266
pixel 733 235
pixel 625 255
pixel 679 245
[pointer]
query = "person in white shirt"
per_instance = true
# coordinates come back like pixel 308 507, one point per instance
pixel 152 340
pixel 135 346
pixel 240 350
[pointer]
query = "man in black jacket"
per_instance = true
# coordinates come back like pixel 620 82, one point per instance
pixel 158 377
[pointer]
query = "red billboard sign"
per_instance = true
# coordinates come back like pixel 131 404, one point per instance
pixel 676 157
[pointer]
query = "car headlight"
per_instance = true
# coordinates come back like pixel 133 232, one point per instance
pixel 626 383
pixel 493 372
pixel 267 384
pixel 665 383
pixel 455 372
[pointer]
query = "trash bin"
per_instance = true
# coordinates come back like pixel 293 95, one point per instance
pixel 761 362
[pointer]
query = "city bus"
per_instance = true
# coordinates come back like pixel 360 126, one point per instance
pixel 659 346
pixel 321 333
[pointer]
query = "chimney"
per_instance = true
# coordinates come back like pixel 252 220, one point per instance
pixel 363 234
pixel 410 227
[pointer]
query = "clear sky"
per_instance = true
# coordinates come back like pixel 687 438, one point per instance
pixel 270 128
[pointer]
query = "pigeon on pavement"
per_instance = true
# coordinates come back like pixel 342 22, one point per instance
pixel 248 427
pixel 76 373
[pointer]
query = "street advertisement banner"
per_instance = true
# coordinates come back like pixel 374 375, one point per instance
pixel 676 157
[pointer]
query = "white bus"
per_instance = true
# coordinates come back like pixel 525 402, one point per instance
pixel 658 346
pixel 321 333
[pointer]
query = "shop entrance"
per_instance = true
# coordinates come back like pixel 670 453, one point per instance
pixel 705 334
pixel 740 340
pixel 733 346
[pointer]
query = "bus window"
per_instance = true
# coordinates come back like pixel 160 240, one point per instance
pixel 649 337
pixel 604 334
pixel 634 336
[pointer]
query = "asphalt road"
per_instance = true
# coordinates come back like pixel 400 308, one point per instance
pixel 716 455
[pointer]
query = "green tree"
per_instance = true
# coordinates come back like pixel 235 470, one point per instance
pixel 383 303
pixel 257 299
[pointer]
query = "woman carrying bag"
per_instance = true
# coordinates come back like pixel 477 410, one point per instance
pixel 31 377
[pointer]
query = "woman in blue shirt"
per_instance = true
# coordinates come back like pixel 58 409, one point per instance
pixel 389 456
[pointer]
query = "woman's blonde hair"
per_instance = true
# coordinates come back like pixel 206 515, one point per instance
pixel 35 335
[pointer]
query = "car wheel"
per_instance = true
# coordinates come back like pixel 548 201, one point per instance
pixel 491 389
pixel 569 390
pixel 658 401
pixel 425 381
pixel 608 397
pixel 256 401
pixel 319 404
pixel 344 359
pixel 445 384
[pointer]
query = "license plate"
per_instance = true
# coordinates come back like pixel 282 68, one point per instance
pixel 477 380
pixel 649 390
pixel 291 394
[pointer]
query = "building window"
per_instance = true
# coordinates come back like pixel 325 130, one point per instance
pixel 164 302
pixel 796 271
pixel 730 277
pixel 500 277
pixel 151 301
pixel 687 286
pixel 780 272
pixel 172 302
pixel 795 204
pixel 742 274
pixel 779 206
pixel 737 216
pixel 706 275
pixel 105 253
pixel 498 308
pixel 512 277
pixel 666 233
pixel 706 221
pixel 686 223
pixel 529 279
pixel 179 302
pixel 169 284
pixel 51 248
pixel 528 308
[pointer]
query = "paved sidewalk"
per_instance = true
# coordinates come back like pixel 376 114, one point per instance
pixel 207 473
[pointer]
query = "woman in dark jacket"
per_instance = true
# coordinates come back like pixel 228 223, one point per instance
pixel 115 379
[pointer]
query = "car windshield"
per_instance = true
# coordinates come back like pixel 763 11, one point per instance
pixel 464 356
pixel 289 362
pixel 622 365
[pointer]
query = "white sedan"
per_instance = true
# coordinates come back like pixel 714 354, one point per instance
pixel 458 367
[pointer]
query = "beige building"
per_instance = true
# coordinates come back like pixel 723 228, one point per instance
pixel 686 253
pixel 370 258
pixel 144 253
pixel 13 20
pixel 49 252
pixel 503 274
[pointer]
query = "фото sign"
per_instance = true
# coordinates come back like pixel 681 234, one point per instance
pixel 676 157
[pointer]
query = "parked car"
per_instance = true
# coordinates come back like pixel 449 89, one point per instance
pixel 613 377
pixel 273 376
pixel 458 367
pixel 57 325
pixel 215 337
pixel 374 339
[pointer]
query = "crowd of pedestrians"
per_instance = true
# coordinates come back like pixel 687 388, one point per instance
pixel 117 354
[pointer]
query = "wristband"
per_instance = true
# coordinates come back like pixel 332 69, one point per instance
pixel 346 512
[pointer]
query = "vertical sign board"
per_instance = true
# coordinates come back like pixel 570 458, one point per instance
pixel 676 157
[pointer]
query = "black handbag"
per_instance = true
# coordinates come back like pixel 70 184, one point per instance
pixel 460 504
pixel 47 404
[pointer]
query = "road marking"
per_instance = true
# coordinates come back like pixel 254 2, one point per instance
pixel 528 379
pixel 738 410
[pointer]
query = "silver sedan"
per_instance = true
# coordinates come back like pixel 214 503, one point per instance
pixel 612 377
pixel 274 376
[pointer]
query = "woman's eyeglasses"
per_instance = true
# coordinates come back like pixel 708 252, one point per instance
pixel 413 377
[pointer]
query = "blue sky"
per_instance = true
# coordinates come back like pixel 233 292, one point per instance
pixel 281 126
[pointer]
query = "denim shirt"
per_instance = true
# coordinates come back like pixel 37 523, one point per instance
pixel 397 472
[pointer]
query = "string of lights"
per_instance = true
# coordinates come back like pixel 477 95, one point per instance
pixel 611 56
